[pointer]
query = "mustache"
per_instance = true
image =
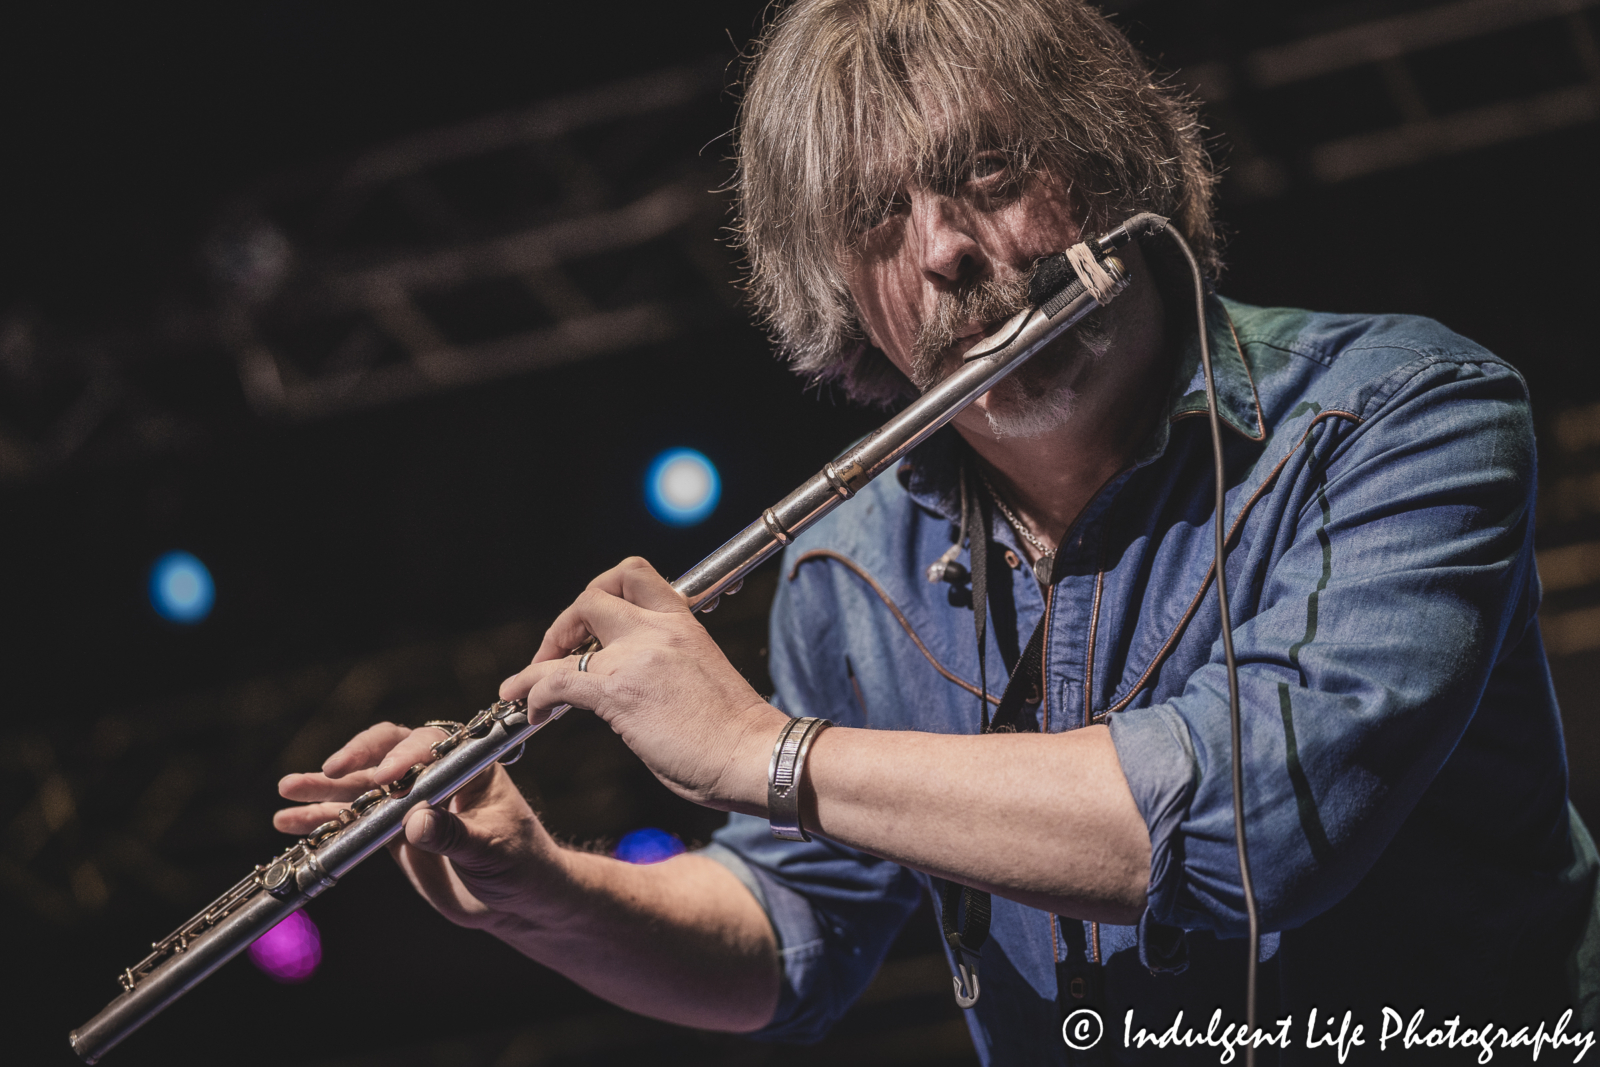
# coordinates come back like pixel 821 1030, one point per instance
pixel 982 300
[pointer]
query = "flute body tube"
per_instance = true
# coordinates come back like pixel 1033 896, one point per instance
pixel 272 892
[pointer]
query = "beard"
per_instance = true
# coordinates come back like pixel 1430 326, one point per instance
pixel 1037 397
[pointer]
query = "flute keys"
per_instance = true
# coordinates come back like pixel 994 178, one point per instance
pixel 402 785
pixel 275 876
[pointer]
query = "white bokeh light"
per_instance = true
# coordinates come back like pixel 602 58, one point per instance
pixel 685 483
pixel 682 487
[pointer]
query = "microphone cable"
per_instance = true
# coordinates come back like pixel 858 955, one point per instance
pixel 1141 225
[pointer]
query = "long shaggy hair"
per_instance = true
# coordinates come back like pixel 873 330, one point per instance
pixel 837 113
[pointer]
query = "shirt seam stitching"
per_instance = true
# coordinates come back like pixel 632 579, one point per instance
pixel 905 624
pixel 1401 377
pixel 1238 525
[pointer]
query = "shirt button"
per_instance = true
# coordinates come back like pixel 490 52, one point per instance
pixel 1078 988
pixel 1011 560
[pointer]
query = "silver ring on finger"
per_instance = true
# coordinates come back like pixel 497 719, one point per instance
pixel 583 661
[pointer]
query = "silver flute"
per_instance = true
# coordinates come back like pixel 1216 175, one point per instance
pixel 272 892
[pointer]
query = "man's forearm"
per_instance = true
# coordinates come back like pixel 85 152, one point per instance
pixel 682 940
pixel 1046 820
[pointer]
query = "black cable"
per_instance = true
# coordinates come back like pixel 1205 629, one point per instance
pixel 1142 225
pixel 1227 646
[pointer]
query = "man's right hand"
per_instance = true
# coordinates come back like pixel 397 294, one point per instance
pixel 484 859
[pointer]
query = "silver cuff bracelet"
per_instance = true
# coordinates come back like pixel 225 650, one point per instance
pixel 784 773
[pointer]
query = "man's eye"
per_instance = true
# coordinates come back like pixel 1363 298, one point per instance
pixel 888 208
pixel 987 167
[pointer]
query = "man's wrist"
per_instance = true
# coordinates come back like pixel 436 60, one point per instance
pixel 743 784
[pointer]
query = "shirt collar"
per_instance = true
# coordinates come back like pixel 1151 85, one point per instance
pixel 929 472
pixel 1237 400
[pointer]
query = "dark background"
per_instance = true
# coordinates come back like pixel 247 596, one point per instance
pixel 184 189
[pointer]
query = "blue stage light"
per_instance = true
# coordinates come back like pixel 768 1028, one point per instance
pixel 682 487
pixel 648 846
pixel 180 588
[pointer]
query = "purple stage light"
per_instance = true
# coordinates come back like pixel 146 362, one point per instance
pixel 290 951
pixel 648 846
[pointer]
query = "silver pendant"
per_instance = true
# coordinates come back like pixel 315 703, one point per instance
pixel 1043 566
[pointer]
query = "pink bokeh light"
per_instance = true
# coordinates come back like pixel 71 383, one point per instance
pixel 290 951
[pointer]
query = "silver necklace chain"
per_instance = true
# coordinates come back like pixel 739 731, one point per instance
pixel 1045 552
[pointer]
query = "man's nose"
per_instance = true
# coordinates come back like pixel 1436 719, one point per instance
pixel 947 248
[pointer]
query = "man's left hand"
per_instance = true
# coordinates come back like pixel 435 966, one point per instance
pixel 662 684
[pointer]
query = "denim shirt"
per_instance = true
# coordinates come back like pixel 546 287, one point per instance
pixel 1405 794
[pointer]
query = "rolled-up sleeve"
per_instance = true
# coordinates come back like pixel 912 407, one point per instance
pixel 1389 597
pixel 1158 760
